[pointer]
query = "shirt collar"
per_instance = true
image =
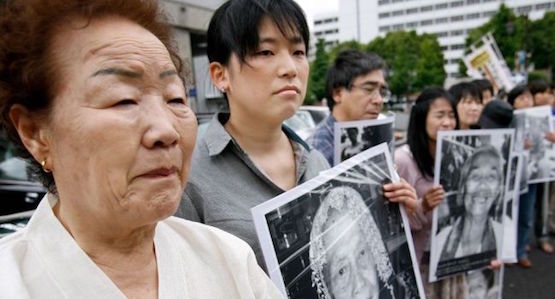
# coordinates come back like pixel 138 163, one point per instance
pixel 217 138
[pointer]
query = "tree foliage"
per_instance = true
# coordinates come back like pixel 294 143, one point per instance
pixel 542 42
pixel 316 89
pixel 414 61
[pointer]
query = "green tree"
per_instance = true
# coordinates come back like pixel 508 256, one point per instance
pixel 316 89
pixel 352 44
pixel 542 46
pixel 414 61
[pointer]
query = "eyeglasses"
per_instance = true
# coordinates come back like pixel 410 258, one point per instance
pixel 374 91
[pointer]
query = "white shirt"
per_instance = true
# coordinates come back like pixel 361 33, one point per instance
pixel 194 261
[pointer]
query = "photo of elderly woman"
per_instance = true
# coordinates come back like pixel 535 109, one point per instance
pixel 485 284
pixel 541 166
pixel 353 137
pixel 467 228
pixel 337 236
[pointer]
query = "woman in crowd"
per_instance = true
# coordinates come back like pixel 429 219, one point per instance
pixel 468 102
pixel 246 156
pixel 433 111
pixel 91 93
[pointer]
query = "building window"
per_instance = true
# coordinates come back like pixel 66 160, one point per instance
pixel 384 28
pixel 398 13
pixel 457 32
pixel 470 2
pixel 454 75
pixel 457 3
pixel 543 6
pixel 411 25
pixel 444 48
pixel 442 34
pixel 457 18
pixel 398 27
pixel 426 8
pixel 397 1
pixel 473 16
pixel 457 47
pixel 442 20
pixel 524 9
pixel 488 14
pixel 318 33
pixel 426 22
pixel 442 6
pixel 485 1
pixel 318 22
pixel 383 15
pixel 411 11
pixel 382 2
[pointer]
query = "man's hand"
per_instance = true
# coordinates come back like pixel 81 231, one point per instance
pixel 402 193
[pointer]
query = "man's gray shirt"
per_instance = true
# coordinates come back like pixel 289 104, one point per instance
pixel 224 183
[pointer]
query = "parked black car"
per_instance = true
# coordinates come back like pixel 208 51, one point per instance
pixel 19 195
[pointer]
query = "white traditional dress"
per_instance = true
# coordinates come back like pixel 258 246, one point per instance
pixel 194 261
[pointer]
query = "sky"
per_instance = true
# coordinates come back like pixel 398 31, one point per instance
pixel 312 7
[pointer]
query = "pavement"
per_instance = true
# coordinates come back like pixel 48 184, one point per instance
pixel 537 282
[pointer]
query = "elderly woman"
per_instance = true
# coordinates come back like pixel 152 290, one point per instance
pixel 480 193
pixel 347 254
pixel 91 94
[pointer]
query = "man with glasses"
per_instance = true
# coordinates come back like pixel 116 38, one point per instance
pixel 355 90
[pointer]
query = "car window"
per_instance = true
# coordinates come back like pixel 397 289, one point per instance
pixel 11 167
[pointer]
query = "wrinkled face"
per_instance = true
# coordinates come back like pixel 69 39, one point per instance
pixel 362 101
pixel 121 133
pixel 525 100
pixel 271 85
pixel 440 117
pixel 482 185
pixel 350 268
pixel 468 109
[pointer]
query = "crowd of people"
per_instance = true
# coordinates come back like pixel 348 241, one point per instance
pixel 93 95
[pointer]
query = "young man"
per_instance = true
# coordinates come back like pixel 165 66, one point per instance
pixel 355 90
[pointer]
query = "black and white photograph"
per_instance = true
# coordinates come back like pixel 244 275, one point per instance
pixel 510 221
pixel 541 159
pixel 467 227
pixel 485 283
pixel 519 124
pixel 353 137
pixel 523 184
pixel 337 236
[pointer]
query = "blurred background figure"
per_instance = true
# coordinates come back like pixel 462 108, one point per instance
pixel 486 90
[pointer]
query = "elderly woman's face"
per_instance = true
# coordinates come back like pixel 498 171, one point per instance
pixel 482 185
pixel 120 131
pixel 351 271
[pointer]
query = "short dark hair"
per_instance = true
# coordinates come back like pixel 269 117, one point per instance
pixel 538 86
pixel 483 85
pixel 29 76
pixel 463 90
pixel 348 65
pixel 417 136
pixel 233 27
pixel 516 92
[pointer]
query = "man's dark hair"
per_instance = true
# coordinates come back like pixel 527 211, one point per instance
pixel 516 92
pixel 348 65
pixel 483 85
pixel 464 89
pixel 234 26
pixel 417 136
pixel 538 86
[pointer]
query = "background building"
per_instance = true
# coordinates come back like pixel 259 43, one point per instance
pixel 190 19
pixel 450 20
